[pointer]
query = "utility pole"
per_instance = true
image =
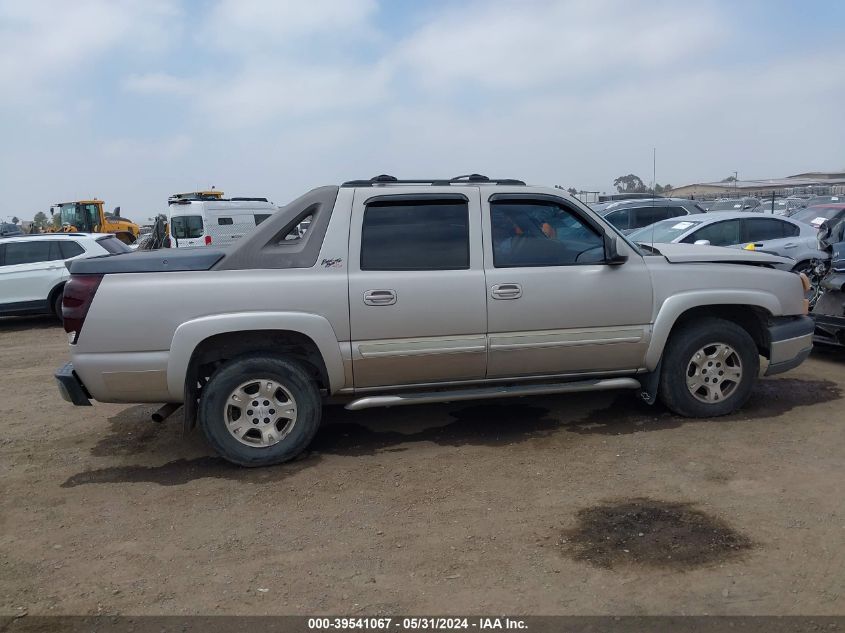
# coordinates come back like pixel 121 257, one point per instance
pixel 736 178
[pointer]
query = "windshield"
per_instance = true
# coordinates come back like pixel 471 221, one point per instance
pixel 82 216
pixel 815 215
pixel 663 232
pixel 186 226
pixel 727 205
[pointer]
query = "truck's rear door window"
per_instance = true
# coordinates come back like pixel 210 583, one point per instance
pixel 186 226
pixel 411 235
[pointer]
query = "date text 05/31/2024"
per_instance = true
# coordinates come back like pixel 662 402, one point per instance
pixel 417 623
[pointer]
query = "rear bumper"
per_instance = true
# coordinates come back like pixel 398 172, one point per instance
pixel 791 341
pixel 71 387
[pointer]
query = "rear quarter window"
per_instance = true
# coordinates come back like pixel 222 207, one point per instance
pixel 70 249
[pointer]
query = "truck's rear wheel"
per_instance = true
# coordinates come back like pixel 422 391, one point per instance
pixel 709 368
pixel 260 410
pixel 57 304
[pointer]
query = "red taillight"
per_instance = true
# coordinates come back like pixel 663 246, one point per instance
pixel 208 240
pixel 78 294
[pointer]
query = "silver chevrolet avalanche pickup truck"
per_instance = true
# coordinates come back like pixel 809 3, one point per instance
pixel 414 291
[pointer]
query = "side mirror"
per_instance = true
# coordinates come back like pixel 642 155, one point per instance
pixel 612 254
pixel 52 211
pixel 701 243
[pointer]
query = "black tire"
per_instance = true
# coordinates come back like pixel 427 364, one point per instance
pixel 291 377
pixel 57 305
pixel 683 345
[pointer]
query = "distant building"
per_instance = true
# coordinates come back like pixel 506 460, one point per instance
pixel 814 183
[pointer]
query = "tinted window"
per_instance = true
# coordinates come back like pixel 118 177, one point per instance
pixel 541 234
pixel 644 216
pixel 423 235
pixel 186 226
pixel 28 252
pixel 762 229
pixel 719 233
pixel 260 217
pixel 113 245
pixel 676 211
pixel 619 218
pixel 225 221
pixel 70 249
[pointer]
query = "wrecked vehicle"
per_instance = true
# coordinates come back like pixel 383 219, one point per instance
pixel 416 291
pixel 829 310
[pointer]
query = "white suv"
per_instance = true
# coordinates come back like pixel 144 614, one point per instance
pixel 33 271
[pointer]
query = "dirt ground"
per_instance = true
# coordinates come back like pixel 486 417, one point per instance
pixel 552 505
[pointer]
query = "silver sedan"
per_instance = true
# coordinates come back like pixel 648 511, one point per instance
pixel 771 233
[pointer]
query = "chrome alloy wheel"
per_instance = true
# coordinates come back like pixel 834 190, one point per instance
pixel 260 413
pixel 714 373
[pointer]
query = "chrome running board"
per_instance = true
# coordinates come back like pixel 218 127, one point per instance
pixel 423 397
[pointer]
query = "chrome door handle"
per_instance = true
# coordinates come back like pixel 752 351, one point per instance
pixel 506 291
pixel 380 297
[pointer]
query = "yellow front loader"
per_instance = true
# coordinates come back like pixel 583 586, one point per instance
pixel 89 216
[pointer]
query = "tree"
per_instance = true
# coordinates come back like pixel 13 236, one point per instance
pixel 729 179
pixel 572 191
pixel 40 221
pixel 15 220
pixel 662 188
pixel 629 184
pixel 57 221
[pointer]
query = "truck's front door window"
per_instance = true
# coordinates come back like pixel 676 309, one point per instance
pixel 541 234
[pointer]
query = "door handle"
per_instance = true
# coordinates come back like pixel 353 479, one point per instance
pixel 790 245
pixel 380 297
pixel 506 291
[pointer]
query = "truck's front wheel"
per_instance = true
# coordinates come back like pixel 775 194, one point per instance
pixel 709 368
pixel 260 410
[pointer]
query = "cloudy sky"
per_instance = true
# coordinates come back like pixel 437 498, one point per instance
pixel 132 101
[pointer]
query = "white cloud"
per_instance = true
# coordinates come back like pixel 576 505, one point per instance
pixel 159 83
pixel 270 98
pixel 162 149
pixel 505 45
pixel 48 42
pixel 247 25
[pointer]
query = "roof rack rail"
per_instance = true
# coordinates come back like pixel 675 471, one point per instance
pixel 385 179
pixel 240 199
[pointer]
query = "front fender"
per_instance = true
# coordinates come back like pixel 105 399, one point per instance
pixel 193 332
pixel 674 306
